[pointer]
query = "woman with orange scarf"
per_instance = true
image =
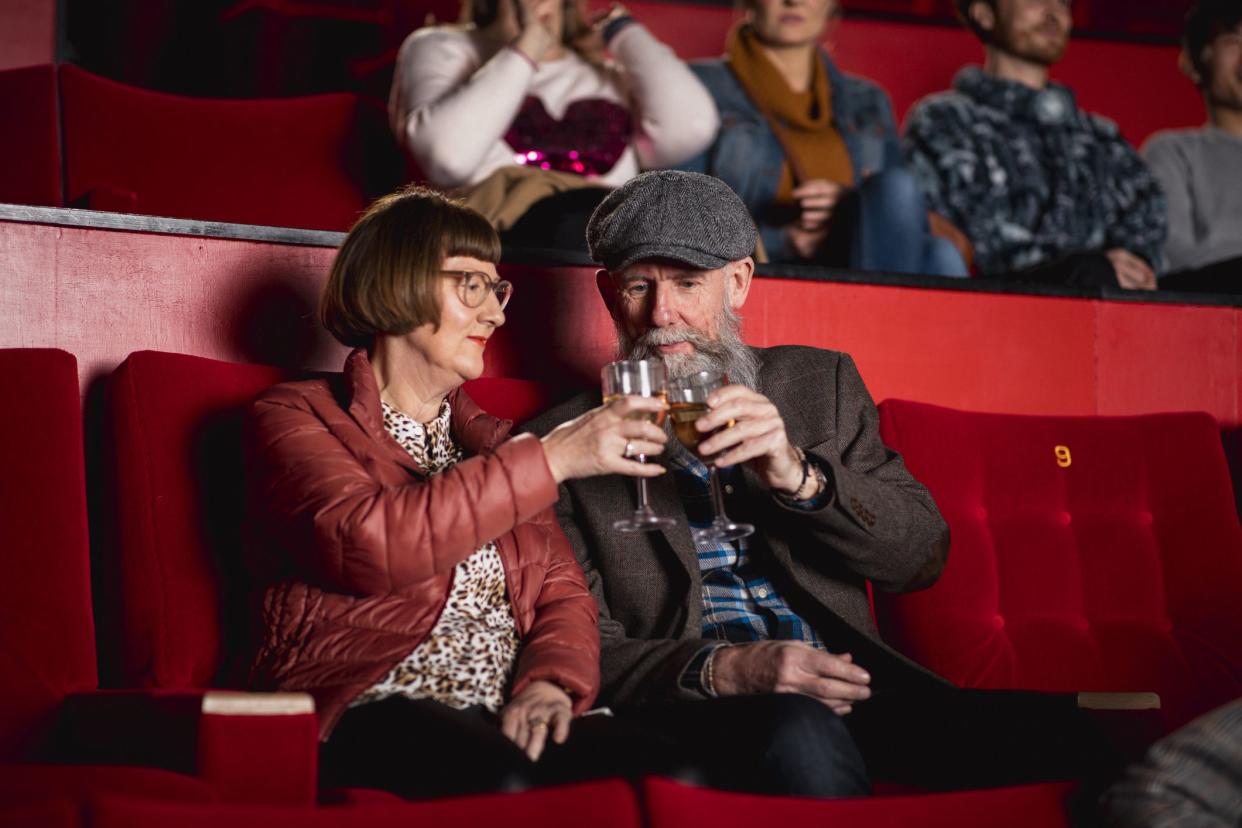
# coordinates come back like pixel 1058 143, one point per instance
pixel 814 152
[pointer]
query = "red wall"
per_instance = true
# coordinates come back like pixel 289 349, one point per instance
pixel 101 294
pixel 27 33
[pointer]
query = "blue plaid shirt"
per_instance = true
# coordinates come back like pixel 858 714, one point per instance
pixel 740 603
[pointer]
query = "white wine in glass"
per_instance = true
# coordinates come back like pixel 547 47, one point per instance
pixel 687 403
pixel 643 378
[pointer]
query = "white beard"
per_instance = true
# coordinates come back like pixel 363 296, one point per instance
pixel 728 354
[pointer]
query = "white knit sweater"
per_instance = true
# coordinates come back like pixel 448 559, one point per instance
pixel 452 102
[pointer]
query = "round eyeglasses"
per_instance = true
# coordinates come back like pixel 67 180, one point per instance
pixel 474 286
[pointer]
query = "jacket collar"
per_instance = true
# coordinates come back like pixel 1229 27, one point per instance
pixel 474 429
pixel 1051 106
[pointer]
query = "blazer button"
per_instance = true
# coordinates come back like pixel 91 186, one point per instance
pixel 728 488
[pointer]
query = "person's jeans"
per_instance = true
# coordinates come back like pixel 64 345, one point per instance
pixel 891 233
pixel 779 744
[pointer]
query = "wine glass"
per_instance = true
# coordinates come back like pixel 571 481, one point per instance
pixel 641 378
pixel 687 399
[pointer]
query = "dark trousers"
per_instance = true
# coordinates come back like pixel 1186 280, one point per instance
pixel 1075 270
pixel 557 222
pixel 1221 277
pixel 777 744
pixel 949 738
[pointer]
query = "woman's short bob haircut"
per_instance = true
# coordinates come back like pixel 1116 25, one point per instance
pixel 385 278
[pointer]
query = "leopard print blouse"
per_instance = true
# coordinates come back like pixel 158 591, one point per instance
pixel 468 656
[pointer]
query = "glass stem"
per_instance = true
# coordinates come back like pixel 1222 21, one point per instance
pixel 717 496
pixel 643 508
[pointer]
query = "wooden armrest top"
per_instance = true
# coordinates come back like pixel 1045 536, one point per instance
pixel 226 703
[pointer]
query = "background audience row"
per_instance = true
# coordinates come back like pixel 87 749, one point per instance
pixel 1013 178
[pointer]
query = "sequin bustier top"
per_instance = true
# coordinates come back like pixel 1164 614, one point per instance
pixel 588 140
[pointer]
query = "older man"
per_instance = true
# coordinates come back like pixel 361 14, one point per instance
pixel 697 631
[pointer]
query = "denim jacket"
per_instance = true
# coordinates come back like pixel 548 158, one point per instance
pixel 747 156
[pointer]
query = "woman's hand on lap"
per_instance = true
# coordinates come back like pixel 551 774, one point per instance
pixel 541 708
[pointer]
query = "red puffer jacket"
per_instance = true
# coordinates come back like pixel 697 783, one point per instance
pixel 356 545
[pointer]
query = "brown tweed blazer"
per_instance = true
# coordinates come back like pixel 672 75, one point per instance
pixel 880 525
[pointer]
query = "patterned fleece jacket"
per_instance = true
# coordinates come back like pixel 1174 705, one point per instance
pixel 1029 177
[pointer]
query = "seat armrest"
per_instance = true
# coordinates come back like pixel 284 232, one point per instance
pixel 250 747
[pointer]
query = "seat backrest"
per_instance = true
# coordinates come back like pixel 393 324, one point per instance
pixel 30 143
pixel 47 635
pixel 177 423
pixel 296 162
pixel 1088 554
pixel 177 461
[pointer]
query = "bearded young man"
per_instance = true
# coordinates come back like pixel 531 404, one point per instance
pixel 1201 169
pixel 1042 191
pixel 708 633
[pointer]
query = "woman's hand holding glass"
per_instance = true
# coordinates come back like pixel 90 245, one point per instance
pixel 599 441
pixel 540 709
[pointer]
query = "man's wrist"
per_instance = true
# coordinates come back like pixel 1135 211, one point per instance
pixel 811 489
pixel 796 476
pixel 699 674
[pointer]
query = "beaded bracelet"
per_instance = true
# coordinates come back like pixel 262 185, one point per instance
pixel 708 679
pixel 796 494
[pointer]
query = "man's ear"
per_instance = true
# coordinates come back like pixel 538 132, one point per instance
pixel 1187 66
pixel 984 15
pixel 738 276
pixel 607 290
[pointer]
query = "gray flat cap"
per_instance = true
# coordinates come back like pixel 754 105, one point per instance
pixel 668 214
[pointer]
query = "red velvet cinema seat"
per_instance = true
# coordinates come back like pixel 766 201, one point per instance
pixel 605 804
pixel 674 805
pixel 1088 554
pixel 180 612
pixel 297 162
pixel 30 141
pixel 47 634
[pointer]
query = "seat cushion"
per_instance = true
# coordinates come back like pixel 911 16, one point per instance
pixel 34 783
pixel 1088 554
pixel 52 813
pixel 607 804
pixel 674 805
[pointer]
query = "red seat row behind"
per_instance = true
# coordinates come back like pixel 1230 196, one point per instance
pixel 316 161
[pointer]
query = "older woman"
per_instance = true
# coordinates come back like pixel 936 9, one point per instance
pixel 523 84
pixel 417 584
pixel 814 152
